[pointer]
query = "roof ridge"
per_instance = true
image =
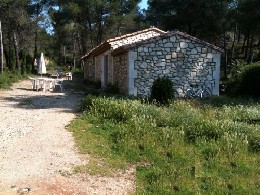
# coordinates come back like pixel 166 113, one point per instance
pixel 123 37
pixel 136 33
pixel 169 33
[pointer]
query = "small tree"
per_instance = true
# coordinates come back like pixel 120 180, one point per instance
pixel 249 84
pixel 162 90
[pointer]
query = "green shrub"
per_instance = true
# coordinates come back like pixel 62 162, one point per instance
pixel 7 78
pixel 254 144
pixel 249 84
pixel 162 90
pixel 29 61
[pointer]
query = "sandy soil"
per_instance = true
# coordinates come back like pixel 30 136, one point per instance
pixel 36 148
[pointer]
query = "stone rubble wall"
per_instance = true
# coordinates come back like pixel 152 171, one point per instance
pixel 110 70
pixel 92 67
pixel 184 61
pixel 120 63
pixel 89 69
pixel 98 61
pixel 133 39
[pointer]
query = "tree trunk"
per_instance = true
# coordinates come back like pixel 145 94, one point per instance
pixel 1 51
pixel 64 54
pixel 36 35
pixel 35 48
pixel 74 51
pixel 16 49
pixel 250 53
pixel 243 46
pixel 233 45
pixel 225 55
pixel 247 45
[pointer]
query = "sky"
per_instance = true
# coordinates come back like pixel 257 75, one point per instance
pixel 143 4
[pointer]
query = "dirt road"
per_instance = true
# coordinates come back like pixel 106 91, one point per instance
pixel 36 149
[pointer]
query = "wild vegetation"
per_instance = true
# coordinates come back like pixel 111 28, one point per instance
pixel 186 147
pixel 66 29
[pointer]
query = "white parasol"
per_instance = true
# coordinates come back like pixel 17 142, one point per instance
pixel 42 66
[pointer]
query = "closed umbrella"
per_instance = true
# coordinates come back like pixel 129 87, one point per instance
pixel 42 66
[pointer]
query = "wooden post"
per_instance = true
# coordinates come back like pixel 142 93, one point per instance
pixel 1 51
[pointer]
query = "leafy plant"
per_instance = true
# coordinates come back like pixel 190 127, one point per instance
pixel 162 90
pixel 187 147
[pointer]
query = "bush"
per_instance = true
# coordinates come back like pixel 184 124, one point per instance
pixel 254 144
pixel 249 84
pixel 162 90
pixel 7 78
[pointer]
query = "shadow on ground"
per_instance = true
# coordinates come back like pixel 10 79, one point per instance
pixel 68 99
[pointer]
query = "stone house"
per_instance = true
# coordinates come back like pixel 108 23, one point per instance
pixel 133 61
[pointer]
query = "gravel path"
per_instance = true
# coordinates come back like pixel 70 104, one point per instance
pixel 35 147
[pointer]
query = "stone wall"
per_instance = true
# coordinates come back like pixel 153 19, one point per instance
pixel 183 60
pixel 89 69
pixel 120 63
pixel 97 69
pixel 93 65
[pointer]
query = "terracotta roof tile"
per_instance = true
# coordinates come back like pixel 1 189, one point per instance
pixel 109 41
pixel 124 48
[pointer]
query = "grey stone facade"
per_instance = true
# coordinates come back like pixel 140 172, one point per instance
pixel 133 67
pixel 182 60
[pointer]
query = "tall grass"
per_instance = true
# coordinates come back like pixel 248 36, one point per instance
pixel 186 147
pixel 7 78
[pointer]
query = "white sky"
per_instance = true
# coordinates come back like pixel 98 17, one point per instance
pixel 143 4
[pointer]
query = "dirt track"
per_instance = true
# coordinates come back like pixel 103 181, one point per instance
pixel 36 149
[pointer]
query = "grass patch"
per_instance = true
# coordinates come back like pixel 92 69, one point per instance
pixel 7 79
pixel 187 147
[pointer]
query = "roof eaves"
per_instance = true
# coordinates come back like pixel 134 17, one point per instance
pixel 97 50
pixel 170 33
pixel 136 33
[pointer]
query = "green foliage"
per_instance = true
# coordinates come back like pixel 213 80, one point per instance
pixel 29 61
pixel 7 78
pixel 254 143
pixel 250 81
pixel 162 90
pixel 12 61
pixel 23 62
pixel 188 147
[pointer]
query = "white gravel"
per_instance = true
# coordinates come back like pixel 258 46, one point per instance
pixel 35 147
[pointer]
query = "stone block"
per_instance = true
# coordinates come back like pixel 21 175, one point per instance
pixel 180 55
pixel 168 45
pixel 183 45
pixel 194 51
pixel 204 50
pixel 210 55
pixel 167 49
pixel 168 57
pixel 140 49
pixel 173 39
pixel 176 45
pixel 174 55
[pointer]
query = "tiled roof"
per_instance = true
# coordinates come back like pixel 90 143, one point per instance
pixel 124 48
pixel 107 44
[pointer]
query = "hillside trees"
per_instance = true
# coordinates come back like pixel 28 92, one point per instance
pixel 81 25
pixel 18 30
pixel 230 24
